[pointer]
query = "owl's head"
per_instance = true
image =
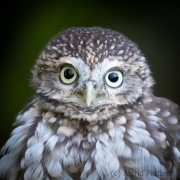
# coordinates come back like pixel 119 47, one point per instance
pixel 88 73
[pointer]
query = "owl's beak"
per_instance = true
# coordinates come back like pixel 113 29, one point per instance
pixel 90 91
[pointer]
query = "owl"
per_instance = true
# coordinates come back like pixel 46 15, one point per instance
pixel 93 115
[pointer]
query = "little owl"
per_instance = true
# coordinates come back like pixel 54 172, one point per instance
pixel 93 116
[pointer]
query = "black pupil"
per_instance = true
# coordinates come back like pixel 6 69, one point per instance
pixel 113 77
pixel 68 74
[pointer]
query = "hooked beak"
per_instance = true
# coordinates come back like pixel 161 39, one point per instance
pixel 90 91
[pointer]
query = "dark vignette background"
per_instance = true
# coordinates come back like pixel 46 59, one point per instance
pixel 26 27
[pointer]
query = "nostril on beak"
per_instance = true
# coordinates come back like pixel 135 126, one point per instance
pixel 94 85
pixel 93 82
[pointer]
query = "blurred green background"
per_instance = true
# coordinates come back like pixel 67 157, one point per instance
pixel 26 27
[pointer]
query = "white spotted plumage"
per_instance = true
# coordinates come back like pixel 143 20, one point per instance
pixel 87 129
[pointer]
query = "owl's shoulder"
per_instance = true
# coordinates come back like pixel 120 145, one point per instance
pixel 165 108
pixel 165 103
pixel 168 114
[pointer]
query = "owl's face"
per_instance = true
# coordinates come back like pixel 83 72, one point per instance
pixel 73 76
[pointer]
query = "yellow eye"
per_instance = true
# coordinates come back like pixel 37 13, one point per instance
pixel 114 78
pixel 68 74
